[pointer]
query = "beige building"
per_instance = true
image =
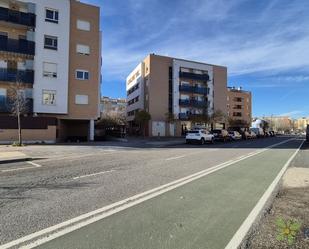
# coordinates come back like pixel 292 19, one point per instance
pixel 181 89
pixel 301 123
pixel 53 48
pixel 113 107
pixel 239 105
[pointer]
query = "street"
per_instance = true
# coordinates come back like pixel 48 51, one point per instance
pixel 65 182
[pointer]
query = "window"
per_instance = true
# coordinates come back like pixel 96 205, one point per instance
pixel 49 97
pixel 51 15
pixel 81 99
pixel 2 97
pixel 82 49
pixel 50 42
pixel 83 25
pixel 49 69
pixel 82 75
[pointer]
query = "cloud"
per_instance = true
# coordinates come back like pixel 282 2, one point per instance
pixel 291 113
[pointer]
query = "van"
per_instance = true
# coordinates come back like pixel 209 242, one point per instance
pixel 258 131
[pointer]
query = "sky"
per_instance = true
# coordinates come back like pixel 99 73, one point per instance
pixel 263 43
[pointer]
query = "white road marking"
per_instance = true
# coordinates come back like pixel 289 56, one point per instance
pixel 95 174
pixel 174 158
pixel 241 233
pixel 53 232
pixel 34 166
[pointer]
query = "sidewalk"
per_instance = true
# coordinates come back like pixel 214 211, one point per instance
pixel 12 156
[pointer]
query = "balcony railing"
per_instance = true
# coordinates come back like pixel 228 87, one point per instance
pixel 189 116
pixel 6 106
pixel 193 103
pixel 194 76
pixel 193 89
pixel 20 46
pixel 12 75
pixel 13 16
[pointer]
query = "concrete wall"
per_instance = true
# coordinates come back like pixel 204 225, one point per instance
pixel 29 135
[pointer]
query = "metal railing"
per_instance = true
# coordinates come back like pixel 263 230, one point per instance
pixel 12 75
pixel 21 46
pixel 13 16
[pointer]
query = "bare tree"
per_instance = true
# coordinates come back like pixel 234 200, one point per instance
pixel 18 105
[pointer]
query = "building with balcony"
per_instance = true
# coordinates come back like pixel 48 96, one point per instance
pixel 168 87
pixel 239 106
pixel 53 50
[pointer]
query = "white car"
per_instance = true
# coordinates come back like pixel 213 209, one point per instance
pixel 235 135
pixel 201 136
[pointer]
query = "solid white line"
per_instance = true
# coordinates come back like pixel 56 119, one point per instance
pixel 35 165
pixel 241 233
pixel 174 158
pixel 95 174
pixel 53 232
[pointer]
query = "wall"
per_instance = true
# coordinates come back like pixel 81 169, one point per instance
pixel 29 135
pixel 91 62
pixel 220 88
pixel 61 56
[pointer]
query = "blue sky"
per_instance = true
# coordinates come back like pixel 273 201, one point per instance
pixel 264 44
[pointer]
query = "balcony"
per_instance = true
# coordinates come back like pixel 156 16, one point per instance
pixel 193 103
pixel 193 89
pixel 17 17
pixel 12 75
pixel 6 106
pixel 20 46
pixel 194 76
pixel 188 116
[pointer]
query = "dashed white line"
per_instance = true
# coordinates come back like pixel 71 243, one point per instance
pixel 174 158
pixel 95 174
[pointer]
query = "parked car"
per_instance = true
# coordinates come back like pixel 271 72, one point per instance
pixel 252 135
pixel 307 133
pixel 221 135
pixel 201 136
pixel 258 132
pixel 235 135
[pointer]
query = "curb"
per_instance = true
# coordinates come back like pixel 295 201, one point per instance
pixel 15 160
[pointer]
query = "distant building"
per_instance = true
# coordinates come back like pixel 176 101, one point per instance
pixel 181 89
pixel 280 123
pixel 301 123
pixel 239 105
pixel 112 106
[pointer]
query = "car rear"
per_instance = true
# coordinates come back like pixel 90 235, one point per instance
pixel 193 136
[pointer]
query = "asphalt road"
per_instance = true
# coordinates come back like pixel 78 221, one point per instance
pixel 68 181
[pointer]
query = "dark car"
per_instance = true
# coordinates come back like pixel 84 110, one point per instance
pixel 221 135
pixel 307 133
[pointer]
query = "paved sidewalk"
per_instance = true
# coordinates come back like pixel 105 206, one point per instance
pixel 12 156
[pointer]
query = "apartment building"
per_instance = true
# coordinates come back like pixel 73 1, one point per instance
pixel 170 87
pixel 239 106
pixel 53 49
pixel 301 123
pixel 113 106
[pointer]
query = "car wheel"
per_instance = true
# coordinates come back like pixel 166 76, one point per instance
pixel 187 141
pixel 202 141
pixel 212 141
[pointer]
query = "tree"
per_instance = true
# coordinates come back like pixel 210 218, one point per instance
pixel 142 118
pixel 238 123
pixel 170 117
pixel 18 105
pixel 218 117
